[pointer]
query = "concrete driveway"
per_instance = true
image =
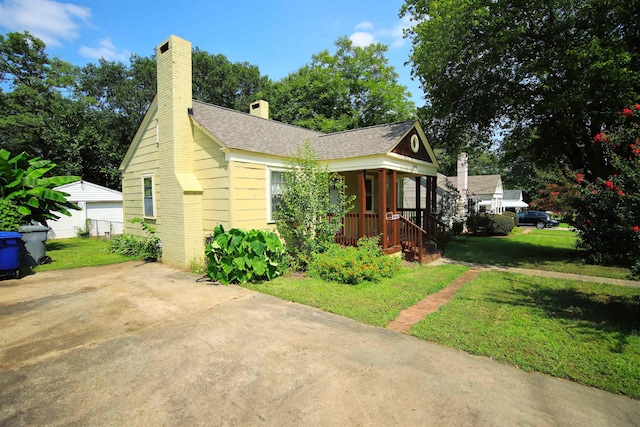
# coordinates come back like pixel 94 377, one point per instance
pixel 145 344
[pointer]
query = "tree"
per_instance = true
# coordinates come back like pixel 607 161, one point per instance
pixel 218 81
pixel 547 75
pixel 34 113
pixel 355 87
pixel 608 215
pixel 312 208
pixel 114 98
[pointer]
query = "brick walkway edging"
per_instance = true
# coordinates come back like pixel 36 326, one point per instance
pixel 412 315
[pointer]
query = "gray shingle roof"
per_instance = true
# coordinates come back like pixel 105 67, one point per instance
pixel 478 184
pixel 243 131
pixel 512 194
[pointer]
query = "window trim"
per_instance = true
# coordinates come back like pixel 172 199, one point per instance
pixel 270 219
pixel 373 192
pixel 153 196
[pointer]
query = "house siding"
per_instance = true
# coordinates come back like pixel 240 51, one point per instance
pixel 144 161
pixel 248 197
pixel 212 171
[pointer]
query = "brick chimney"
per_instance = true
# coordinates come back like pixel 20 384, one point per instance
pixel 179 219
pixel 260 109
pixel 463 184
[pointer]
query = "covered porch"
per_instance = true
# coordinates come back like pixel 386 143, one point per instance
pixel 416 232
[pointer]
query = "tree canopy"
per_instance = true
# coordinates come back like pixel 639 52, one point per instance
pixel 537 78
pixel 353 88
pixel 84 118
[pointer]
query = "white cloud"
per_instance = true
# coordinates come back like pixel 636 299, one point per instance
pixel 49 20
pixel 394 37
pixel 362 39
pixel 106 50
pixel 365 25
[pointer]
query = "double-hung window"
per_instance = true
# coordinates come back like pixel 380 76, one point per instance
pixel 275 193
pixel 148 204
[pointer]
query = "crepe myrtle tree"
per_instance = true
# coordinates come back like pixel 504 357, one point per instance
pixel 312 206
pixel 608 217
pixel 25 187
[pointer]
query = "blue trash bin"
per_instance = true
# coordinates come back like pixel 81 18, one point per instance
pixel 10 253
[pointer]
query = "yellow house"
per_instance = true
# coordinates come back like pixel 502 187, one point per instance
pixel 193 165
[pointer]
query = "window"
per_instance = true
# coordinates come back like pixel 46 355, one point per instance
pixel 147 196
pixel 275 193
pixel 368 186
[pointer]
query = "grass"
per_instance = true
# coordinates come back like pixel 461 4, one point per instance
pixel 372 303
pixel 77 252
pixel 549 249
pixel 585 332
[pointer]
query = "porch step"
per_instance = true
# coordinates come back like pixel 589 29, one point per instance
pixel 429 253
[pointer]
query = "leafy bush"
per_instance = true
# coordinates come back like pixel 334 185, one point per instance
pixel 23 183
pixel 312 208
pixel 352 266
pixel 513 216
pixel 244 256
pixel 478 223
pixel 491 225
pixel 501 225
pixel 10 218
pixel 147 248
pixel 608 215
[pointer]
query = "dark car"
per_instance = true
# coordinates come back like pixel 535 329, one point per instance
pixel 539 219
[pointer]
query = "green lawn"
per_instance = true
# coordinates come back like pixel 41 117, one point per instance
pixel 549 249
pixel 585 332
pixel 580 331
pixel 373 303
pixel 77 252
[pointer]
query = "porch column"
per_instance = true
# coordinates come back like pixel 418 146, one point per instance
pixel 434 194
pixel 393 206
pixel 418 213
pixel 362 202
pixel 428 184
pixel 382 207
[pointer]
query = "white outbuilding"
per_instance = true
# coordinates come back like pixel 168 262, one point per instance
pixel 101 209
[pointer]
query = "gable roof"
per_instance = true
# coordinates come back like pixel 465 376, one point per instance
pixel 512 195
pixel 360 142
pixel 478 184
pixel 85 191
pixel 236 130
pixel 242 131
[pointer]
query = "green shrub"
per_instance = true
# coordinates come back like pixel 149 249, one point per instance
pixel 129 245
pixel 608 214
pixel 513 216
pixel 354 265
pixel 491 225
pixel 478 223
pixel 457 228
pixel 500 225
pixel 244 256
pixel 10 218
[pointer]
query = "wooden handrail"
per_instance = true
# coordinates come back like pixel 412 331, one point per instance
pixel 434 229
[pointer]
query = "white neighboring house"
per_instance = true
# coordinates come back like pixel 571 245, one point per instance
pixel 103 206
pixel 513 201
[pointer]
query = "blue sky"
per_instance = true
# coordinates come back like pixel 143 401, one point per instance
pixel 279 36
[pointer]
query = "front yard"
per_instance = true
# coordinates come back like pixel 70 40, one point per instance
pixel 580 331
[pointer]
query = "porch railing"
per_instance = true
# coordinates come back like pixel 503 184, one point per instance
pixel 435 230
pixel 350 233
pixel 405 232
